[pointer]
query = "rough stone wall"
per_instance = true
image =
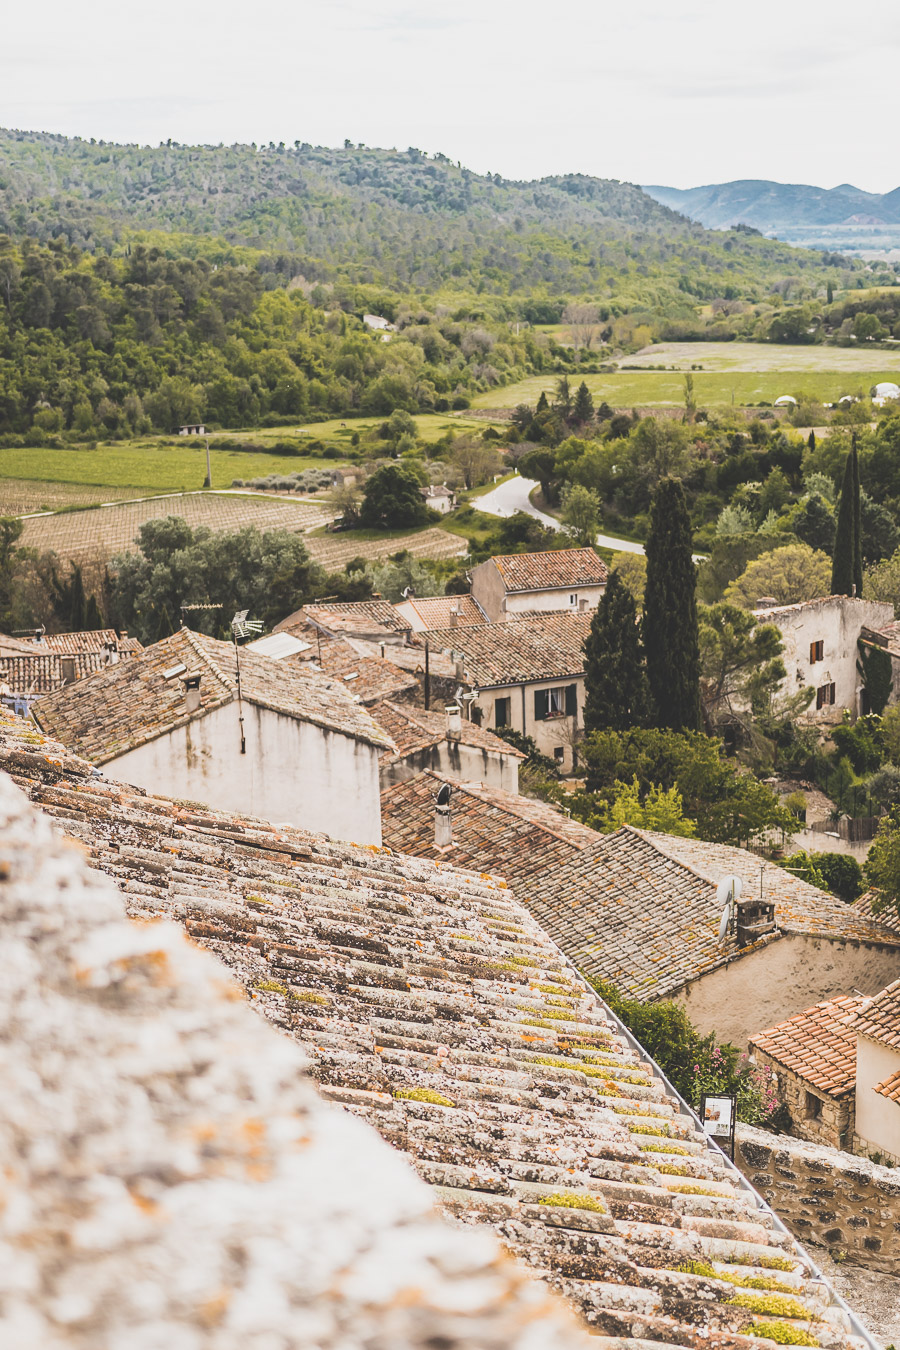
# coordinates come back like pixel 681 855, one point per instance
pixel 833 1125
pixel 826 1197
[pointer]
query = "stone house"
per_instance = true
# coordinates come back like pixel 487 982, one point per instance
pixel 441 611
pixel 367 679
pixel 640 909
pixel 570 579
pixel 433 1008
pixel 439 497
pixel 527 673
pixel 821 649
pixel 445 742
pixel 813 1056
pixel 277 739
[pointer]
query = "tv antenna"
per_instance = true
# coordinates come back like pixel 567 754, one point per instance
pixel 242 627
pixel 728 892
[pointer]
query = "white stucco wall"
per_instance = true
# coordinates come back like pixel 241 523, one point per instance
pixel 468 763
pixel 877 1119
pixel 293 771
pixel 836 623
pixel 549 733
pixel 790 973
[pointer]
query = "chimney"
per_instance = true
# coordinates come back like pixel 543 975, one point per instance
pixel 191 692
pixel 454 616
pixel 67 666
pixel 755 918
pixel 583 604
pixel 454 721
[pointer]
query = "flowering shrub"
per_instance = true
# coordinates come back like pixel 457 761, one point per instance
pixel 719 1068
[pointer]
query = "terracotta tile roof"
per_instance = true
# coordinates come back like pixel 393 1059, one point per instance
pixel 352 618
pixel 412 729
pixel 10 646
pixel 890 1087
pixel 819 1044
pixel 368 678
pixel 173 1175
pixel 126 705
pixel 879 1018
pixel 546 647
pixel 640 909
pixel 91 640
pixel 411 658
pixel 864 906
pixel 493 831
pixel 42 673
pixel 553 570
pixel 433 611
pixel 433 1005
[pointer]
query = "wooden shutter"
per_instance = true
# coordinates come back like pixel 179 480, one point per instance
pixel 541 704
pixel 571 700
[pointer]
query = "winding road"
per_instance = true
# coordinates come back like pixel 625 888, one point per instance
pixel 513 496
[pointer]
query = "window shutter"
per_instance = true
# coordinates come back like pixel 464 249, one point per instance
pixel 571 700
pixel 541 704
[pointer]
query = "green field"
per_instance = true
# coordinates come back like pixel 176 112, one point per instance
pixel 339 431
pixel 742 372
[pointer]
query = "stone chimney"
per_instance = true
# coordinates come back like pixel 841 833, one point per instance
pixel 191 692
pixel 454 721
pixel 454 616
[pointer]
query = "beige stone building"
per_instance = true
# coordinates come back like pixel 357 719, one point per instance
pixel 878 1075
pixel 522 583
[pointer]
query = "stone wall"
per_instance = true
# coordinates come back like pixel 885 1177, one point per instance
pixel 833 1121
pixel 825 1196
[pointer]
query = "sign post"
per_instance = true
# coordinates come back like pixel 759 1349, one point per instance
pixel 717 1112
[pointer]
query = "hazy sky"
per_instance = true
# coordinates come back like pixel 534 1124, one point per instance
pixel 682 94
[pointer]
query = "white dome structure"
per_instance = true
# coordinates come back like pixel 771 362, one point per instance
pixel 787 400
pixel 887 390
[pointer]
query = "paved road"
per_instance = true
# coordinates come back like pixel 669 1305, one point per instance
pixel 512 496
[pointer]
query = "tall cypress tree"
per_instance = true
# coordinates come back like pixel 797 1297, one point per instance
pixel 671 636
pixel 846 562
pixel 583 409
pixel 616 694
pixel 857 522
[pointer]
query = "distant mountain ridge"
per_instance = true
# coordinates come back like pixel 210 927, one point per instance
pixel 776 207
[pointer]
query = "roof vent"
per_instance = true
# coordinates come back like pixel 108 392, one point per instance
pixel 191 692
pixel 454 721
pixel 443 828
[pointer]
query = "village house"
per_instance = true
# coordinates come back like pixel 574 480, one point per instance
pixel 274 739
pixel 877 1027
pixel 367 679
pixel 640 909
pixel 528 674
pixel 432 1007
pixel 490 830
pixel 32 668
pixel 441 611
pixel 570 579
pixel 368 620
pixel 446 742
pixel 439 497
pixel 813 1055
pixel 821 649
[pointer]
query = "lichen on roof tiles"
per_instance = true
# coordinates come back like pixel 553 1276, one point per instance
pixel 414 728
pixel 170 1175
pixel 128 704
pixel 433 1005
pixel 540 647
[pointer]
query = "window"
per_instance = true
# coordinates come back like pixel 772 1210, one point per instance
pixel 824 696
pixel 501 712
pixel 573 599
pixel 816 652
pixel 559 702
pixel 813 1105
pixel 559 754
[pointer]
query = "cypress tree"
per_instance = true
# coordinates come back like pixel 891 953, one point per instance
pixel 846 562
pixel 542 404
pixel 671 636
pixel 583 410
pixel 616 695
pixel 857 522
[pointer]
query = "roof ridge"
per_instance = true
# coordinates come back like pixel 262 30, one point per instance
pixel 481 790
pixel 200 650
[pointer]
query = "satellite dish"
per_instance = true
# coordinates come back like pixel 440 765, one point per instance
pixel 728 893
pixel 443 796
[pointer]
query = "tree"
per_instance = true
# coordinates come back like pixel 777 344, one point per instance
pixel 580 513
pixel 661 809
pixel 740 663
pixel 10 533
pixel 813 523
pixel 879 533
pixel 846 567
pixel 474 460
pixel 616 693
pixel 690 399
pixel 882 866
pixel 789 574
pixel 583 409
pixel 671 638
pixel 632 572
pixel 392 499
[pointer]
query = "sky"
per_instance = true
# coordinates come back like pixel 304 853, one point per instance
pixel 681 94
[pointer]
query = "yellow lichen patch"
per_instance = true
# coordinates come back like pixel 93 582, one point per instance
pixel 774 1304
pixel 783 1333
pixel 424 1095
pixel 573 1200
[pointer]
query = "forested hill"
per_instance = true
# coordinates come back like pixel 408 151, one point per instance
pixel 399 219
